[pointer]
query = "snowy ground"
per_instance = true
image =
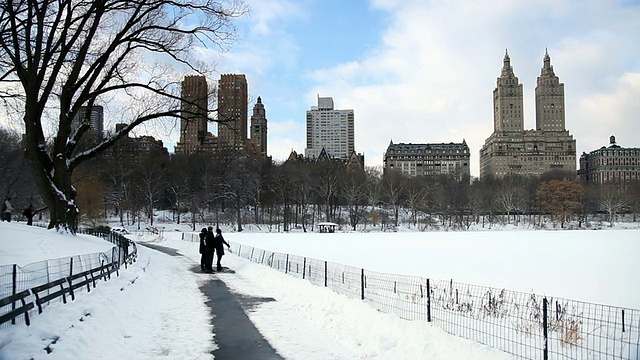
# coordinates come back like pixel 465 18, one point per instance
pixel 155 309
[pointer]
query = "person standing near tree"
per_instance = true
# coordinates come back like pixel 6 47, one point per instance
pixel 203 249
pixel 219 244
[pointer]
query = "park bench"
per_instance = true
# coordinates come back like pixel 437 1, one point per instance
pixel 15 312
pixel 51 295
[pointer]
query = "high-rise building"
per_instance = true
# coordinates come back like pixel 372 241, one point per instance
pixel 194 111
pixel 610 165
pixel 513 150
pixel 94 115
pixel 232 110
pixel 259 128
pixel 329 129
pixel 428 159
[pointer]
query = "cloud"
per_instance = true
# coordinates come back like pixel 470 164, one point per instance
pixel 432 76
pixel 617 113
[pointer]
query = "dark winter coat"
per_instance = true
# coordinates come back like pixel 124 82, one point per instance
pixel 209 240
pixel 219 243
pixel 202 246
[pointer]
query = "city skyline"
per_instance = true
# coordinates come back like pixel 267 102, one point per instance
pixel 417 72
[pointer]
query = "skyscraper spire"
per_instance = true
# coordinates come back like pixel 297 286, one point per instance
pixel 507 70
pixel 547 69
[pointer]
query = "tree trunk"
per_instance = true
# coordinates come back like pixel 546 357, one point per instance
pixel 53 179
pixel 239 217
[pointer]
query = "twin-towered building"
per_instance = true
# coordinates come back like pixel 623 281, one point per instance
pixel 232 115
pixel 513 150
pixel 510 150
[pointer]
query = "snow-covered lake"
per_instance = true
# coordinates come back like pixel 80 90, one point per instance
pixel 598 266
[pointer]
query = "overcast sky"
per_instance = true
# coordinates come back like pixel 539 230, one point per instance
pixel 424 71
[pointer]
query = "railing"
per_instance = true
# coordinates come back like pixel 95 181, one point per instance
pixel 41 279
pixel 528 326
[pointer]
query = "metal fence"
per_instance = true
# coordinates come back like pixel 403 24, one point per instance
pixel 14 278
pixel 528 326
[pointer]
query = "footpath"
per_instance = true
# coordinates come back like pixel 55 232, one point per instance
pixel 235 335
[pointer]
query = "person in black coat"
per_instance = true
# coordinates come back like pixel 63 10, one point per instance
pixel 209 241
pixel 203 249
pixel 219 243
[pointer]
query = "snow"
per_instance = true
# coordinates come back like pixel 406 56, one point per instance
pixel 155 308
pixel 24 245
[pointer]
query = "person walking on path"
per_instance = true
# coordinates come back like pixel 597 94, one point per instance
pixel 219 243
pixel 203 249
pixel 209 241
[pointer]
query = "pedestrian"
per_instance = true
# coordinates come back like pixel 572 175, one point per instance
pixel 203 249
pixel 7 209
pixel 219 244
pixel 209 242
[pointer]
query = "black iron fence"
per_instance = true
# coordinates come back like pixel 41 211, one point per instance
pixel 528 326
pixel 63 274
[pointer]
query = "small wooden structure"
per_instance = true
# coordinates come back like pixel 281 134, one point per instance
pixel 327 227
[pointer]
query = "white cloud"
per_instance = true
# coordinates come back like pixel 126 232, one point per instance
pixel 432 78
pixel 611 113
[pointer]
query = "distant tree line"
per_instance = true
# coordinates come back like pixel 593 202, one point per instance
pixel 235 190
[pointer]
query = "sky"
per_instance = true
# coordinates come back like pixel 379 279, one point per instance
pixel 419 71
pixel 416 71
pixel 139 309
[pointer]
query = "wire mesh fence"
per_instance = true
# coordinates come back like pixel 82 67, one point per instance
pixel 15 279
pixel 526 325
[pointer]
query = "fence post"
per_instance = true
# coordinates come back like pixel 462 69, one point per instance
pixel 545 350
pixel 286 270
pixel 125 245
pixel 325 279
pixel 263 252
pixel 14 289
pixel 362 283
pixel 239 250
pixel 428 301
pixel 304 267
pixel 622 320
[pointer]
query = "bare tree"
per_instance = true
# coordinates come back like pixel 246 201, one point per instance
pixel 303 193
pixel 281 186
pixel 239 185
pixel 512 195
pixel 11 168
pixel 612 200
pixel 328 175
pixel 373 191
pixel 417 191
pixel 354 187
pixel 57 56
pixel 394 191
pixel 150 183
